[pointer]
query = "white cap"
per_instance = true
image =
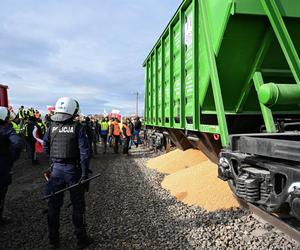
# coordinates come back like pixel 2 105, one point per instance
pixel 4 113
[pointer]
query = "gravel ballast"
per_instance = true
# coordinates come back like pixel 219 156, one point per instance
pixel 128 209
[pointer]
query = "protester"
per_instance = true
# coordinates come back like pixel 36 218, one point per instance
pixel 137 130
pixel 115 133
pixel 10 149
pixel 104 130
pixel 126 136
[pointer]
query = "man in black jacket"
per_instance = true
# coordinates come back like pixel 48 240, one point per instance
pixel 137 130
pixel 10 149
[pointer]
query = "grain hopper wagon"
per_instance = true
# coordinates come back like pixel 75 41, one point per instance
pixel 224 77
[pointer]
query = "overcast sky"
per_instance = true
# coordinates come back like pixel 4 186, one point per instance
pixel 91 50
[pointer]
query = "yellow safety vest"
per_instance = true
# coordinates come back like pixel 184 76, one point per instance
pixel 16 127
pixel 104 125
pixel 30 112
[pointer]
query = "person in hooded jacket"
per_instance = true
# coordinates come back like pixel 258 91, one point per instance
pixel 10 150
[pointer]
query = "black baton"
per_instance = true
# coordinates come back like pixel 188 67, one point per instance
pixel 70 187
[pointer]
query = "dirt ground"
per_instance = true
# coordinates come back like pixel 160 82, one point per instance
pixel 128 209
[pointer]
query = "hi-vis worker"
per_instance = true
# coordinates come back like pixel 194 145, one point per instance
pixel 104 127
pixel 126 135
pixel 116 134
pixel 30 112
pixel 67 144
pixel 15 126
pixel 21 115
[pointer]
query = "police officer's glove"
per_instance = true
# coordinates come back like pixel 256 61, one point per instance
pixel 85 184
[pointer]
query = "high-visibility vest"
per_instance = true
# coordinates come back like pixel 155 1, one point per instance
pixel 21 113
pixel 16 127
pixel 128 132
pixel 25 129
pixel 116 128
pixel 42 126
pixel 30 112
pixel 104 125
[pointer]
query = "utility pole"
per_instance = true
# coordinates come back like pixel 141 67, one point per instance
pixel 137 103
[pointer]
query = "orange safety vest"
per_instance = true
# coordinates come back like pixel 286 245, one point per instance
pixel 128 132
pixel 116 129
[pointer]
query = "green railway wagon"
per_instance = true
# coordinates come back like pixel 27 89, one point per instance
pixel 225 77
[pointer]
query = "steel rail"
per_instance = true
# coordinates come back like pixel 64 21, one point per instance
pixel 272 219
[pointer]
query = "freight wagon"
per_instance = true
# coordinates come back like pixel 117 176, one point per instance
pixel 224 77
pixel 3 96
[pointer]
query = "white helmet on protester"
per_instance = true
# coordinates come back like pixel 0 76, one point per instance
pixel 4 113
pixel 65 109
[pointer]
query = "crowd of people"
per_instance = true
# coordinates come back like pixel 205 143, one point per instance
pixel 112 132
pixel 107 130
pixel 70 141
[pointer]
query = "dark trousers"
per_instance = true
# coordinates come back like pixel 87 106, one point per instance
pixel 55 203
pixel 91 147
pixel 3 191
pixel 95 147
pixel 116 143
pixel 104 141
pixel 31 147
pixel 136 133
pixel 126 145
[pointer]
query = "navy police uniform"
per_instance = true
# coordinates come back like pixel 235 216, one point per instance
pixel 67 144
pixel 10 149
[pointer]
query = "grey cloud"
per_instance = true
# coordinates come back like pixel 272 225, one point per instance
pixel 10 75
pixel 92 50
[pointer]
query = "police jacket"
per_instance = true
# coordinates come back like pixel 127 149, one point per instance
pixel 10 148
pixel 67 143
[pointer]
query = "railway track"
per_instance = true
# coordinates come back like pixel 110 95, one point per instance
pixel 285 224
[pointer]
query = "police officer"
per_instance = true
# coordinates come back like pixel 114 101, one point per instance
pixel 10 149
pixel 67 144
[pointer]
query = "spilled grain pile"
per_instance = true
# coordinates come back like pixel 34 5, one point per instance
pixel 176 160
pixel 193 180
pixel 200 186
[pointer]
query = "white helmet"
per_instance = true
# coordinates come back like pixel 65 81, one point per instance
pixel 65 108
pixel 4 113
